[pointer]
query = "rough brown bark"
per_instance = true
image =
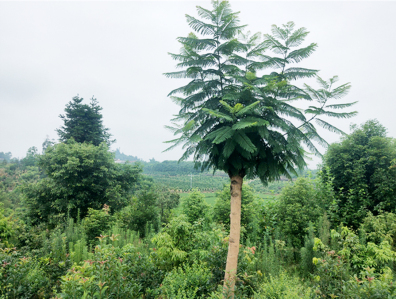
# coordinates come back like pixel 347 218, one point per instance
pixel 235 232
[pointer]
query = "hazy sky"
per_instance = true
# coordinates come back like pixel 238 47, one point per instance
pixel 117 52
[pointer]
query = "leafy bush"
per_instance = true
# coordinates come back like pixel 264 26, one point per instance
pixel 187 282
pixel 297 208
pixel 97 222
pixel 362 171
pixel 380 228
pixel 180 241
pixel 195 207
pixel 104 276
pixel 141 212
pixel 371 285
pixel 79 176
pixel 21 277
pixel 283 287
pixel 6 228
pixel 141 268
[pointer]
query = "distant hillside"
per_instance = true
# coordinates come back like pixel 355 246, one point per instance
pixel 183 176
pixel 123 157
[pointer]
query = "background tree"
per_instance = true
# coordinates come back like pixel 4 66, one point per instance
pixel 6 156
pixel 363 172
pixel 235 120
pixel 31 157
pixel 83 123
pixel 166 201
pixel 249 208
pixel 79 176
pixel 141 213
pixel 195 207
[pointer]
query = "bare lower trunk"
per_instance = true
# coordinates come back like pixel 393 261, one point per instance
pixel 235 232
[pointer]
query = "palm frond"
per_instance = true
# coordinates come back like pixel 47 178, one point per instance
pixel 329 127
pixel 297 37
pixel 248 108
pixel 300 54
pixel 341 106
pixel 217 114
pixel 244 141
pixel 199 26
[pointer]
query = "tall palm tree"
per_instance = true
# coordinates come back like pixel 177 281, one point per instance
pixel 236 118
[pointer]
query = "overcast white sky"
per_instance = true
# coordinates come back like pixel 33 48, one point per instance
pixel 117 52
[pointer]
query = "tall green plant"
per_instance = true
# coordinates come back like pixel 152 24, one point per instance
pixel 238 121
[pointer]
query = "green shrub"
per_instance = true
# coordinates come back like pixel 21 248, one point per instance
pixel 187 282
pixel 141 268
pixel 297 208
pixel 96 223
pixel 6 228
pixel 361 168
pixel 21 277
pixel 195 207
pixel 380 228
pixel 104 276
pixel 181 241
pixel 283 287
pixel 371 285
pixel 140 213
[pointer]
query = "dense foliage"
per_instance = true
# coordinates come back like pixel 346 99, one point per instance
pixel 76 224
pixel 159 246
pixel 78 176
pixel 362 169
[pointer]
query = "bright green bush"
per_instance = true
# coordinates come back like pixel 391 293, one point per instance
pixel 380 228
pixel 283 287
pixel 21 277
pixel 195 207
pixel 104 276
pixel 141 268
pixel 6 228
pixel 183 242
pixel 187 282
pixel 78 176
pixel 371 285
pixel 140 213
pixel 97 222
pixel 297 208
pixel 361 168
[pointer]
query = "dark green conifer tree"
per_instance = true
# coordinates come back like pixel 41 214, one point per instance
pixel 83 123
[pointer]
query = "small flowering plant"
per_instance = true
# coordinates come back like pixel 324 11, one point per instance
pixel 372 284
pixel 105 275
pixel 20 276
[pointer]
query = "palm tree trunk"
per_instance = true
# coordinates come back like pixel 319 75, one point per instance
pixel 235 232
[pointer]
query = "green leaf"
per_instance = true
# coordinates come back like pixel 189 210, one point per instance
pixel 329 127
pixel 249 122
pixel 217 114
pixel 341 106
pixel 244 141
pixel 229 148
pixel 224 135
pixel 247 108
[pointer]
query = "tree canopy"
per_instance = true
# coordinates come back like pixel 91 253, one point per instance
pixel 236 118
pixel 83 123
pixel 362 169
pixel 79 176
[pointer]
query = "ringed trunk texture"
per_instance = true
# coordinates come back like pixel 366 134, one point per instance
pixel 235 232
